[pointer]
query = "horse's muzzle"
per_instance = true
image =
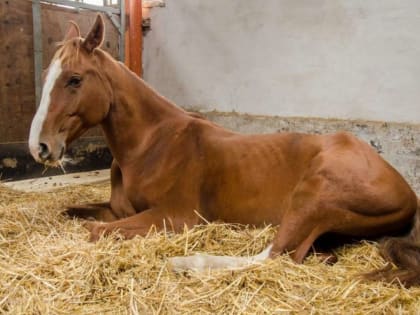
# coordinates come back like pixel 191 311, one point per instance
pixel 43 153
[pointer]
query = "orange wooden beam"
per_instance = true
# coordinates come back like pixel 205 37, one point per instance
pixel 134 36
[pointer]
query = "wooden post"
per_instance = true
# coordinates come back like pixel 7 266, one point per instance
pixel 134 36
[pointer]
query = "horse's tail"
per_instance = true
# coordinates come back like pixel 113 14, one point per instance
pixel 403 252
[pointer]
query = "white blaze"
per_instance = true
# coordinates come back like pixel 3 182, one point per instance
pixel 38 121
pixel 202 262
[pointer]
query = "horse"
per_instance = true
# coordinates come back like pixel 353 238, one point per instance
pixel 173 168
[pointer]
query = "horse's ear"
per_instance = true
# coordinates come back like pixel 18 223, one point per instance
pixel 73 31
pixel 96 35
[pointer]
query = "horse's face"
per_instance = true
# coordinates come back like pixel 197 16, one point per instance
pixel 75 95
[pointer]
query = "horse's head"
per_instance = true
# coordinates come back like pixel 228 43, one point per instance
pixel 76 94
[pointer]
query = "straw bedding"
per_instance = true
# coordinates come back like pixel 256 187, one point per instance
pixel 48 267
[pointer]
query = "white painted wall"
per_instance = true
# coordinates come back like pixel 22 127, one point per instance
pixel 320 58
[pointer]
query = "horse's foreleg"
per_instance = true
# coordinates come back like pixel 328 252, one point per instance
pixel 117 208
pixel 140 224
pixel 93 211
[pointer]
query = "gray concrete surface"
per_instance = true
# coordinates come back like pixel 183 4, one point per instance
pixel 354 59
pixel 49 183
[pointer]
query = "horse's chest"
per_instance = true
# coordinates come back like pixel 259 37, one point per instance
pixel 141 190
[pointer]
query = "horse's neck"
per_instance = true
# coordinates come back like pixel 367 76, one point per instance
pixel 135 110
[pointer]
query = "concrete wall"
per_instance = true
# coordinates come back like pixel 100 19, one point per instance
pixel 357 59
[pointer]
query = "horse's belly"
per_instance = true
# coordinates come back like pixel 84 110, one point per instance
pixel 249 216
pixel 242 205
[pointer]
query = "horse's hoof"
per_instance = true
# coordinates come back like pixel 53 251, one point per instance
pixel 89 225
pixel 96 230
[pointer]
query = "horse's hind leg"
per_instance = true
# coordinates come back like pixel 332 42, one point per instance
pixel 308 216
pixel 301 226
pixel 296 236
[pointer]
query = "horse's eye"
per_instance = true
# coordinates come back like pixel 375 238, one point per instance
pixel 74 81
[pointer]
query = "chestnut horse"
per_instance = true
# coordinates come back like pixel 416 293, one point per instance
pixel 172 168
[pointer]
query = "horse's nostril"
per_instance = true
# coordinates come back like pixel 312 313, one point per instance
pixel 44 152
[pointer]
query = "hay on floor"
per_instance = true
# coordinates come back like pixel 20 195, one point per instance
pixel 48 267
